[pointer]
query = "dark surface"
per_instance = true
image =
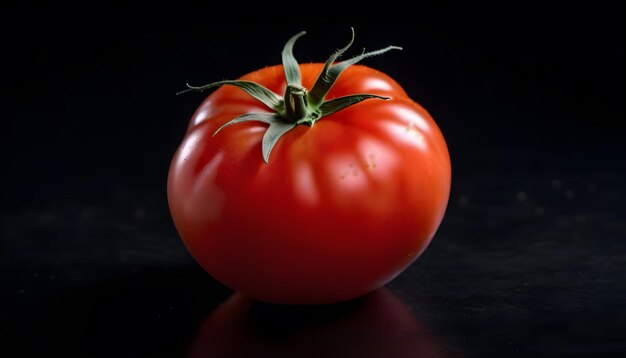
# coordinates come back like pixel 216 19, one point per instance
pixel 530 259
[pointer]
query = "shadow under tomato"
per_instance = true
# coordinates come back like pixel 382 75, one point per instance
pixel 377 325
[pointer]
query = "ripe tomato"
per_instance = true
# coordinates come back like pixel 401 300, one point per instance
pixel 343 205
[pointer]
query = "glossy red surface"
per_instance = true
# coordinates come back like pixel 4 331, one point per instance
pixel 342 207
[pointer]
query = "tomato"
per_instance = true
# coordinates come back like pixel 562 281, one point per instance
pixel 343 204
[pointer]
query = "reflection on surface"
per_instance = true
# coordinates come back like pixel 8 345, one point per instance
pixel 378 325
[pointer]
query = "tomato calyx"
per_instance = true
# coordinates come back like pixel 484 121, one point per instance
pixel 298 106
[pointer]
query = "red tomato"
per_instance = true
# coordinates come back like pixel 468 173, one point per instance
pixel 341 208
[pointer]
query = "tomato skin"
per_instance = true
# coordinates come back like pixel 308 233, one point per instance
pixel 341 209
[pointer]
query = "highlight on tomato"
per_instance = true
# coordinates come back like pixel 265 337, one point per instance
pixel 309 183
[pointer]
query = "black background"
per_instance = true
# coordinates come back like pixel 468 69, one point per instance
pixel 529 260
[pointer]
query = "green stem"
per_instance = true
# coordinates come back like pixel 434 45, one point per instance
pixel 295 103
pixel 299 106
